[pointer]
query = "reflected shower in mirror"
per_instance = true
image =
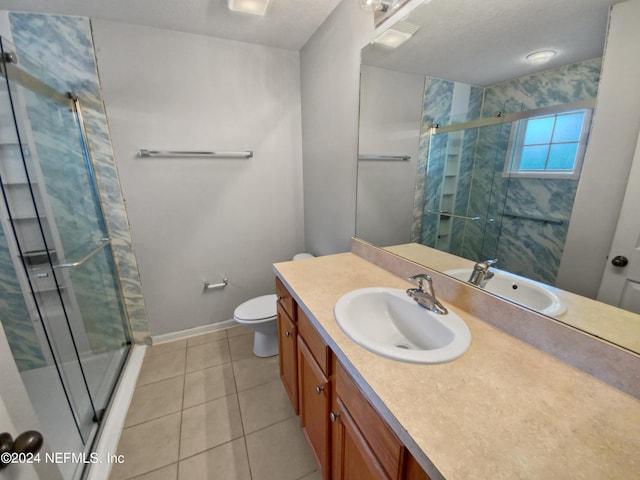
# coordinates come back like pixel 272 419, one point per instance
pixel 495 143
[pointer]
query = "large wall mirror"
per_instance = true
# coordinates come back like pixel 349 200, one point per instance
pixel 475 123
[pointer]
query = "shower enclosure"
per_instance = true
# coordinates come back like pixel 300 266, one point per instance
pixel 62 309
pixel 503 187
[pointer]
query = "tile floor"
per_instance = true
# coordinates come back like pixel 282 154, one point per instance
pixel 207 408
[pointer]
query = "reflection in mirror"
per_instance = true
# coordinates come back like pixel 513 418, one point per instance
pixel 495 150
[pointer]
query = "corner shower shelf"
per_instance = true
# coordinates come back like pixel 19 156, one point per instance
pixel 38 257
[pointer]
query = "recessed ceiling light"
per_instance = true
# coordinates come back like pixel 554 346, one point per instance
pixel 255 7
pixel 541 56
pixel 397 35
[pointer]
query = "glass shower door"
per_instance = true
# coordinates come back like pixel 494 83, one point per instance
pixel 57 239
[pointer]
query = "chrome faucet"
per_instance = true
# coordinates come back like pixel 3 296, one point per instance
pixel 481 273
pixel 426 299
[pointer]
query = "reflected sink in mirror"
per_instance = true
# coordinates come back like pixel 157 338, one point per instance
pixel 387 322
pixel 520 290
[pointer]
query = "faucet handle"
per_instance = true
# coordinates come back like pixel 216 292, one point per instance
pixel 485 265
pixel 420 277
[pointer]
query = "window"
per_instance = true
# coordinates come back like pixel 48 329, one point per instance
pixel 549 146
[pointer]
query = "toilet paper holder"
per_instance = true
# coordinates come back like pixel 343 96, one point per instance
pixel 212 286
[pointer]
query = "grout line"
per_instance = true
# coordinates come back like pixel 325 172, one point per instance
pixel 244 436
pixel 246 449
pixel 273 424
pixel 184 381
pixel 151 471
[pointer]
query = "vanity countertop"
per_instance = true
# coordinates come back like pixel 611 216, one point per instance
pixel 504 410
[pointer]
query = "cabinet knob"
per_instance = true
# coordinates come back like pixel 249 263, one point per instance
pixel 319 389
pixel 333 417
pixel 279 298
pixel 287 333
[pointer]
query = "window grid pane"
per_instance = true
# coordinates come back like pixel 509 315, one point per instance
pixel 538 130
pixel 562 156
pixel 550 143
pixel 568 128
pixel 534 157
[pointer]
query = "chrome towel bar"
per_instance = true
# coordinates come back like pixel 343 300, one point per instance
pixel 398 158
pixel 448 214
pixel 144 153
pixel 552 221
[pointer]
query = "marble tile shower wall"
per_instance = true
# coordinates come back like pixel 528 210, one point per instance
pixel 437 109
pixel 16 320
pixel 64 44
pixel 532 249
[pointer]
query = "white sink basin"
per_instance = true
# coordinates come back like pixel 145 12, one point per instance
pixel 387 322
pixel 520 290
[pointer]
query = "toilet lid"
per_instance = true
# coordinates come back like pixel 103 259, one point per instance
pixel 257 308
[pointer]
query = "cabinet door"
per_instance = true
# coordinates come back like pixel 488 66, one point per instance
pixel 315 400
pixel 287 335
pixel 352 458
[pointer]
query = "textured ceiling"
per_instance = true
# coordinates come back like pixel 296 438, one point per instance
pixel 288 24
pixel 482 42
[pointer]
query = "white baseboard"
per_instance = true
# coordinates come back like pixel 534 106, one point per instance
pixel 192 332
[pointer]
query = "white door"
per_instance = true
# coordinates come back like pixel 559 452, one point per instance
pixel 17 416
pixel 621 280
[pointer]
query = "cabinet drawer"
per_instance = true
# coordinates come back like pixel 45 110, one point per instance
pixel 377 433
pixel 285 299
pixel 312 338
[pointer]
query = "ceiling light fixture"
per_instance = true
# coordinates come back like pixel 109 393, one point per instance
pixel 254 7
pixel 396 35
pixel 541 56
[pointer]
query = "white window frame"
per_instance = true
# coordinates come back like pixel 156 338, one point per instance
pixel 516 140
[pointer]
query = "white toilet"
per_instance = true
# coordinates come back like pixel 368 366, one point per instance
pixel 260 314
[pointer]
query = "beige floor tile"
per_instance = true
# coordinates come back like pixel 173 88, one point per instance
pixel 161 366
pixel 206 338
pixel 208 384
pixel 253 371
pixel 280 452
pixel 148 447
pixel 209 425
pixel 241 346
pixel 207 355
pixel 165 473
pixel 238 330
pixel 264 405
pixel 174 346
pixel 226 462
pixel 155 400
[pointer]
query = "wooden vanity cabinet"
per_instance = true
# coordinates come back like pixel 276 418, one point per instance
pixel 287 343
pixel 314 391
pixel 348 437
pixel 363 444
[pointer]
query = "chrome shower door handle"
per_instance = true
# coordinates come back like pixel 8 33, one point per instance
pixel 86 257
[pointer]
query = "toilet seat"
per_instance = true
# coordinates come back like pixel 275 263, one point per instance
pixel 257 309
